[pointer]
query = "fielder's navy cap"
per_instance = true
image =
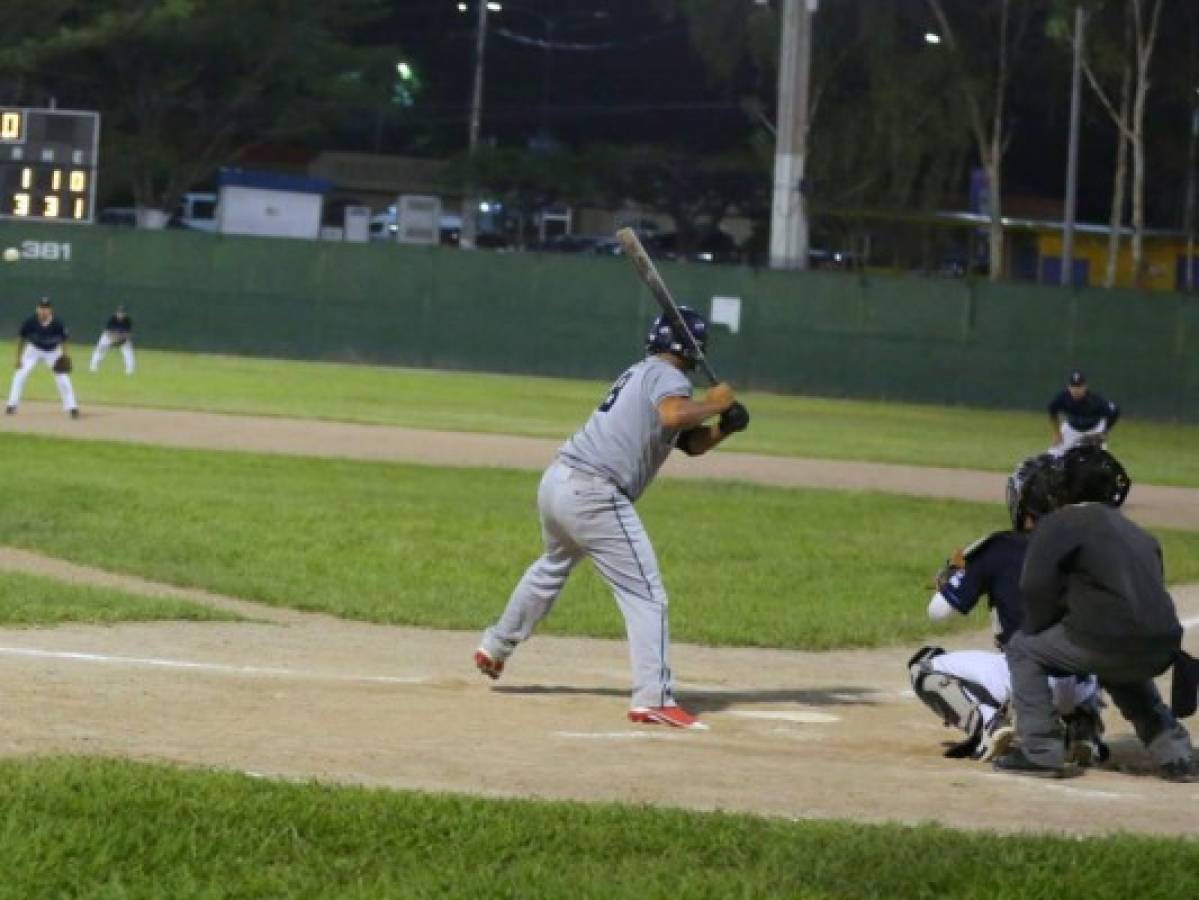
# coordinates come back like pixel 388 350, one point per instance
pixel 45 301
pixel 1077 378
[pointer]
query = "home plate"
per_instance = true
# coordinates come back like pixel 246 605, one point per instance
pixel 803 717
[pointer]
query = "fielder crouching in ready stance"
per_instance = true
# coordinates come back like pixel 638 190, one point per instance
pixel 970 689
pixel 586 506
pixel 1095 601
pixel 43 339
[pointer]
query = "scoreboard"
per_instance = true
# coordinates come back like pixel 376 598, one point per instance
pixel 48 161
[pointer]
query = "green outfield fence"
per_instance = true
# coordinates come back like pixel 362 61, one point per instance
pixel 906 338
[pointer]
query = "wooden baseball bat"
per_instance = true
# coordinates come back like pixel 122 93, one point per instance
pixel 648 273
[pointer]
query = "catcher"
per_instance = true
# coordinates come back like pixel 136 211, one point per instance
pixel 118 332
pixel 43 338
pixel 969 689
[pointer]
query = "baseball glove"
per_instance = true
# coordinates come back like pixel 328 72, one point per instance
pixel 62 365
pixel 735 418
pixel 953 565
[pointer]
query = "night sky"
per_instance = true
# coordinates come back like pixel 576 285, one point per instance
pixel 650 86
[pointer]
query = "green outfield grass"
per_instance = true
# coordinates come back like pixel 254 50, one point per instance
pixel 550 407
pixel 34 600
pixel 73 827
pixel 745 565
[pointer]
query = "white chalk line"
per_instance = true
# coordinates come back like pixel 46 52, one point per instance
pixel 1050 785
pixel 154 662
pixel 618 735
pixel 803 717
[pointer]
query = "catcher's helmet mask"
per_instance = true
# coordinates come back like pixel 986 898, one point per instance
pixel 664 338
pixel 1032 490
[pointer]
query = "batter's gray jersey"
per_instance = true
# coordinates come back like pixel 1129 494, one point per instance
pixel 624 442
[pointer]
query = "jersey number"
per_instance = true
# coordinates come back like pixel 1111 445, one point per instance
pixel 615 392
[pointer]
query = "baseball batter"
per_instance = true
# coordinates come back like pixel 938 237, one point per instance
pixel 118 332
pixel 586 502
pixel 43 339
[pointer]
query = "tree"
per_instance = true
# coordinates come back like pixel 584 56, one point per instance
pixel 1131 55
pixel 184 85
pixel 986 36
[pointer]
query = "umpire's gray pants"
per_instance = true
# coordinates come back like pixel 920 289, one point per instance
pixel 1126 676
pixel 582 515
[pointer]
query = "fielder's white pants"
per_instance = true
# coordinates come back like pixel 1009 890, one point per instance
pixel 1071 436
pixel 102 346
pixel 585 516
pixel 989 670
pixel 30 357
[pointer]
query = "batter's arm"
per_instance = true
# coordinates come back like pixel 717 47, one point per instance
pixel 683 413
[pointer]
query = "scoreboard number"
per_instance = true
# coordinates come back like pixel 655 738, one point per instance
pixel 48 162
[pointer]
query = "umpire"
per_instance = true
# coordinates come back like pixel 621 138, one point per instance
pixel 1094 601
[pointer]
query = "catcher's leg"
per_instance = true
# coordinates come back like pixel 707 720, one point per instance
pixel 966 690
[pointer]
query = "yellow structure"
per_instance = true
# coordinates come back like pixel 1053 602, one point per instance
pixel 1164 255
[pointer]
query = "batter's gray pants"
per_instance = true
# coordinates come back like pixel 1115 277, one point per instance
pixel 1126 676
pixel 585 516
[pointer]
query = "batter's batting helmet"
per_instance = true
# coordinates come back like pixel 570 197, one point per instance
pixel 1092 475
pixel 1034 489
pixel 663 337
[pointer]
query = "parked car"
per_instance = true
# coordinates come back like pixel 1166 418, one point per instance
pixel 713 247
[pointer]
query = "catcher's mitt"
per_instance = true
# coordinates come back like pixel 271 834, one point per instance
pixel 62 365
pixel 735 418
pixel 953 565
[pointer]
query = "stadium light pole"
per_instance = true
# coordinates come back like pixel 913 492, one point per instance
pixel 788 215
pixel 470 203
pixel 1071 210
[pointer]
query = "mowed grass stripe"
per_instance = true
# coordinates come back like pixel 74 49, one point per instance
pixel 812 427
pixel 34 600
pixel 73 827
pixel 424 546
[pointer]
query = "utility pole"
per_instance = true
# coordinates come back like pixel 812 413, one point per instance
pixel 1072 156
pixel 788 216
pixel 1189 214
pixel 470 203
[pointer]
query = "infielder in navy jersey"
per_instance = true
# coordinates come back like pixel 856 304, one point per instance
pixel 43 339
pixel 970 689
pixel 118 332
pixel 586 506
pixel 1077 412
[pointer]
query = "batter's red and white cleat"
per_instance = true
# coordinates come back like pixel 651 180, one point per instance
pixel 488 664
pixel 674 716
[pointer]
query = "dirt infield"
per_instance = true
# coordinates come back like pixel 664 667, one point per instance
pixel 298 695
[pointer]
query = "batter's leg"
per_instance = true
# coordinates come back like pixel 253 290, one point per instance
pixel 538 589
pixel 621 550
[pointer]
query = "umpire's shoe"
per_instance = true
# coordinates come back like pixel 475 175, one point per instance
pixel 1184 771
pixel 1016 763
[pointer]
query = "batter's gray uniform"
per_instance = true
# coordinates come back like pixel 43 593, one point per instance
pixel 586 505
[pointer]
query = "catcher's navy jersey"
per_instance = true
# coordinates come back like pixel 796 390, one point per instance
pixel 44 337
pixel 993 570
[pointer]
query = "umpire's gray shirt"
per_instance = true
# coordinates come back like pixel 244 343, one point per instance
pixel 623 441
